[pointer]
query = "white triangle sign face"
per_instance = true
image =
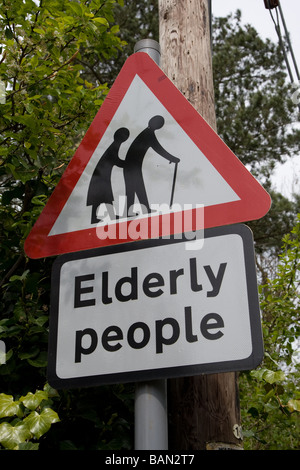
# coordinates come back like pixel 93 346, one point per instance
pixel 146 155
pixel 196 180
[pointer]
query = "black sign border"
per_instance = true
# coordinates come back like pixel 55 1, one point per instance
pixel 249 363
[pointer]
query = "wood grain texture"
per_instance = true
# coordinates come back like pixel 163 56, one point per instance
pixel 184 30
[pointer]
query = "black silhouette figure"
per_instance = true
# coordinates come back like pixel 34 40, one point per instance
pixel 100 188
pixel 134 182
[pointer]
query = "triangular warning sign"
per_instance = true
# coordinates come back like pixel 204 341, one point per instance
pixel 147 154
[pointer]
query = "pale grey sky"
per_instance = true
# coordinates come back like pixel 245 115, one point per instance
pixel 255 13
pixel 287 177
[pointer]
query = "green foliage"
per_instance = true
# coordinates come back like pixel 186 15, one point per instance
pixel 254 108
pixel 137 19
pixel 280 301
pixel 99 418
pixel 25 420
pixel 270 230
pixel 256 119
pixel 49 104
pixel 270 394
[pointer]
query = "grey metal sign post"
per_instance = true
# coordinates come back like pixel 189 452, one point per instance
pixel 151 418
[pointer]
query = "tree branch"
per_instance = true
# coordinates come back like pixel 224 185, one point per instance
pixel 12 270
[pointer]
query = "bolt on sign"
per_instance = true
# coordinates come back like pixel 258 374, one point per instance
pixel 155 309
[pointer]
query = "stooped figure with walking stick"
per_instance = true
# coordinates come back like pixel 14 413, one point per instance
pixel 100 188
pixel 133 175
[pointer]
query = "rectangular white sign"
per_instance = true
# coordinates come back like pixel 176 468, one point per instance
pixel 155 309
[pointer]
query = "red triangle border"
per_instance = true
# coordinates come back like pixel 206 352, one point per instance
pixel 254 201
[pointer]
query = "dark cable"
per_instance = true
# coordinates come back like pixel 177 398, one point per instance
pixel 289 42
pixel 281 42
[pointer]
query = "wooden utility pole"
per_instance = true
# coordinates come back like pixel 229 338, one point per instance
pixel 204 410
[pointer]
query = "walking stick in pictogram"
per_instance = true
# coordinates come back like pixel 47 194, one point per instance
pixel 173 184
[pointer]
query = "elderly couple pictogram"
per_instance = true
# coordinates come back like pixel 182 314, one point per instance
pixel 100 188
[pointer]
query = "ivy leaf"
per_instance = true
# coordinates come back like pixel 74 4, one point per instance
pixel 12 436
pixel 293 405
pixel 39 31
pixel 76 8
pixel 39 424
pixel 40 361
pixel 101 21
pixel 9 407
pixel 268 375
pixel 33 400
pixel 28 446
pixel 272 377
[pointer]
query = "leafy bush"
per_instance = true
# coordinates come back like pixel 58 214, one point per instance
pixel 26 419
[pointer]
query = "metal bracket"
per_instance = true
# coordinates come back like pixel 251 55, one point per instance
pixel 270 4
